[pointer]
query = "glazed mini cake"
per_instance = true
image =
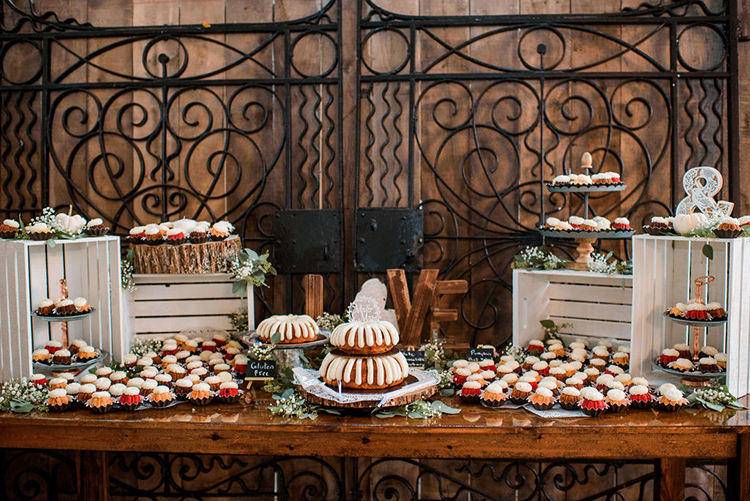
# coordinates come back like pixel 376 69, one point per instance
pixel 292 328
pixel 370 373
pixel 369 338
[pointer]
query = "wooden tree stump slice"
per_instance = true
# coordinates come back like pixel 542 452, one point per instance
pixel 186 259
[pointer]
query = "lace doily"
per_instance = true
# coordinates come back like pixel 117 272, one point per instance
pixel 309 380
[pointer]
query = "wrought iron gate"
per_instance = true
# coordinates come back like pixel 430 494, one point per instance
pixel 462 115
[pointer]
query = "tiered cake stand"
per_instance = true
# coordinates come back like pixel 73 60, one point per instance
pixel 695 378
pixel 585 239
pixel 75 367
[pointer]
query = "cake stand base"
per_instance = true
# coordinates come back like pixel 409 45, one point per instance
pixel 695 383
pixel 584 250
pixel 408 396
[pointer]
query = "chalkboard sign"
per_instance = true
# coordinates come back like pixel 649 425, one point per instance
pixel 414 358
pixel 479 354
pixel 260 370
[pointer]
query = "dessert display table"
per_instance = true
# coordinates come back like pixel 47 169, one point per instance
pixel 476 433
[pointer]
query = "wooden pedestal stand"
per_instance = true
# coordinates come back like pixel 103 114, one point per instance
pixel 584 250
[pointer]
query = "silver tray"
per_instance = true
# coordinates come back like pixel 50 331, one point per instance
pixel 690 374
pixel 323 337
pixel 606 234
pixel 64 318
pixel 74 365
pixel 695 323
pixel 586 188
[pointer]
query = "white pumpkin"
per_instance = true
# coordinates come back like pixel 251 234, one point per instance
pixel 685 224
pixel 72 225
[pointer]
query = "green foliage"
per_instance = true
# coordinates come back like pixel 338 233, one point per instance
pixel 250 268
pixel 421 409
pixel 329 321
pixel 21 396
pixel 127 268
pixel 708 251
pixel 537 258
pixel 715 397
pixel 239 320
pixel 552 330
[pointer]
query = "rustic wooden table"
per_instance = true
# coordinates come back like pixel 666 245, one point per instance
pixel 477 432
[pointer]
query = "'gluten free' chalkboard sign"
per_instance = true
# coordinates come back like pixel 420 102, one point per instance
pixel 260 370
pixel 414 358
pixel 479 354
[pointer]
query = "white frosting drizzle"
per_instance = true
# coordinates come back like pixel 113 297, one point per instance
pixel 361 334
pixel 289 326
pixel 381 370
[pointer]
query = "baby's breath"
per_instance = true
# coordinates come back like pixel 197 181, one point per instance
pixel 19 395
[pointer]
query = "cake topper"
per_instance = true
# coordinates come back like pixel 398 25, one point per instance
pixel 702 184
pixel 364 309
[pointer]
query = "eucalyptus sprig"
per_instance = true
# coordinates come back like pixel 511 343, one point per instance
pixel 250 268
pixel 715 397
pixel 421 409
pixel 552 330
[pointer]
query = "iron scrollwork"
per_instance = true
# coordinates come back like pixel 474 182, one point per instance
pixel 490 126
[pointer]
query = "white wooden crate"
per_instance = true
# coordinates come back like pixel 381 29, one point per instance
pixel 598 306
pixel 163 305
pixel 665 269
pixel 31 271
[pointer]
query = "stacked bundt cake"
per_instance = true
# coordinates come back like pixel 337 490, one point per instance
pixel 365 357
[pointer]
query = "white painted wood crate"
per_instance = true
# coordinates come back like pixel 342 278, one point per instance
pixel 665 269
pixel 163 305
pixel 30 271
pixel 598 306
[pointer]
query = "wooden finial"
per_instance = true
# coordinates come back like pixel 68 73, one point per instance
pixel 586 162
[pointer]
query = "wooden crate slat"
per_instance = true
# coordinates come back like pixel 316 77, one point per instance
pixel 596 329
pixel 119 347
pixel 6 301
pixel 183 291
pixel 186 307
pixel 55 271
pixel 143 279
pixel 593 294
pixel 598 306
pixel 584 310
pixel 177 324
pixel 23 352
pixel 77 278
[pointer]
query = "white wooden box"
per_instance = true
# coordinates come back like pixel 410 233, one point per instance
pixel 31 271
pixel 598 306
pixel 665 269
pixel 163 305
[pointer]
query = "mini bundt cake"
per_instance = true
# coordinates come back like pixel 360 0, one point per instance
pixel 292 328
pixel 364 373
pixel 365 338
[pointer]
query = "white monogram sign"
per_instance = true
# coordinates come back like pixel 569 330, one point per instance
pixel 702 184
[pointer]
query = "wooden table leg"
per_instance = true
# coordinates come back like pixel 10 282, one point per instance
pixel 669 482
pixel 739 468
pixel 93 480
